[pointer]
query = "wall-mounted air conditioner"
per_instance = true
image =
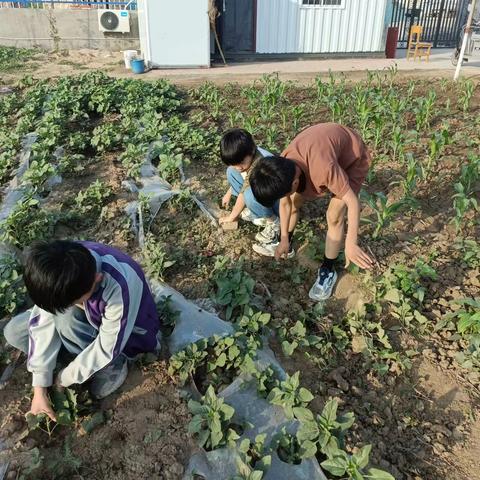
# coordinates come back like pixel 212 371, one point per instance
pixel 114 21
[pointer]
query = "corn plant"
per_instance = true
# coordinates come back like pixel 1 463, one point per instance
pixel 466 94
pixel 234 287
pixel 210 94
pixel 464 198
pixel 424 110
pixel 438 142
pixel 383 210
pixel 297 113
pixel 322 432
pixel 409 182
pixel 91 200
pixel 211 423
pixel 396 142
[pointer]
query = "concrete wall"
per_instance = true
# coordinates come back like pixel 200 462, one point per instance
pixel 62 29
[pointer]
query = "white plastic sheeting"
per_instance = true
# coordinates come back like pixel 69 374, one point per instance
pixel 287 26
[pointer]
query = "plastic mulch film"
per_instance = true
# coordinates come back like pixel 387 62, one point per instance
pixel 193 323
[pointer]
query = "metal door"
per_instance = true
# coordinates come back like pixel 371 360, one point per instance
pixel 441 20
pixel 237 22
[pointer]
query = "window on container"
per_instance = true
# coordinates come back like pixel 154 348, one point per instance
pixel 323 3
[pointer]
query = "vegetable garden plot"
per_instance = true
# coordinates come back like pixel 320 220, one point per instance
pixel 421 207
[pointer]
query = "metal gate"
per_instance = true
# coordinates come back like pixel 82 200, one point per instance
pixel 441 20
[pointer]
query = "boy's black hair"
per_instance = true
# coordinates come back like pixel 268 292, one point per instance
pixel 235 145
pixel 58 273
pixel 271 179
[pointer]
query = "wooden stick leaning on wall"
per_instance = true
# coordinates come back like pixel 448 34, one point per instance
pixel 213 14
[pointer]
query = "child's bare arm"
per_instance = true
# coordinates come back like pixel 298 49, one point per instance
pixel 285 211
pixel 353 253
pixel 226 198
pixel 236 211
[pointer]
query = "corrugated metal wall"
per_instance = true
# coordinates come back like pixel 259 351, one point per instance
pixel 285 26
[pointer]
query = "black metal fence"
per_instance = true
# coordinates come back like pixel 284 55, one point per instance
pixel 441 20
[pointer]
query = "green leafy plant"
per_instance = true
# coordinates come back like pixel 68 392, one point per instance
pixel 211 423
pixel 346 466
pixel 466 94
pixel 186 361
pixel 12 290
pixel 234 286
pixel 470 251
pixel 322 432
pixel 26 223
pixel 295 336
pixel 436 145
pixel 91 200
pixel 468 317
pixel 64 403
pixel 288 394
pixel 133 158
pixel 255 462
pixel 167 314
pixel 289 449
pixel 155 260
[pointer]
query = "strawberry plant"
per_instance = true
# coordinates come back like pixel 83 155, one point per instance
pixel 234 287
pixel 322 432
pixel 211 423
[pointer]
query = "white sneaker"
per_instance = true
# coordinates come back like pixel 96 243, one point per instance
pixel 247 216
pixel 323 287
pixel 268 249
pixel 270 232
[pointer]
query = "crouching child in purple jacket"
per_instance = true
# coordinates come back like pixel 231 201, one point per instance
pixel 94 301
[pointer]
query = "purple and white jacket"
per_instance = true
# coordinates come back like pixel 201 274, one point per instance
pixel 122 309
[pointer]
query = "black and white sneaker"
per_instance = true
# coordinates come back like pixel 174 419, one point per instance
pixel 268 249
pixel 270 232
pixel 323 287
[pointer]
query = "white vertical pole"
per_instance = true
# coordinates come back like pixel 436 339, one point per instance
pixel 465 39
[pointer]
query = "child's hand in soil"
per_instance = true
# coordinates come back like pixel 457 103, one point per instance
pixel 282 249
pixel 41 403
pixel 226 199
pixel 354 254
pixel 226 219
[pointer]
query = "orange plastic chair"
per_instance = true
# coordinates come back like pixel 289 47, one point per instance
pixel 416 48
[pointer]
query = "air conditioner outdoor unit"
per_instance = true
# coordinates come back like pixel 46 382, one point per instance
pixel 114 21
